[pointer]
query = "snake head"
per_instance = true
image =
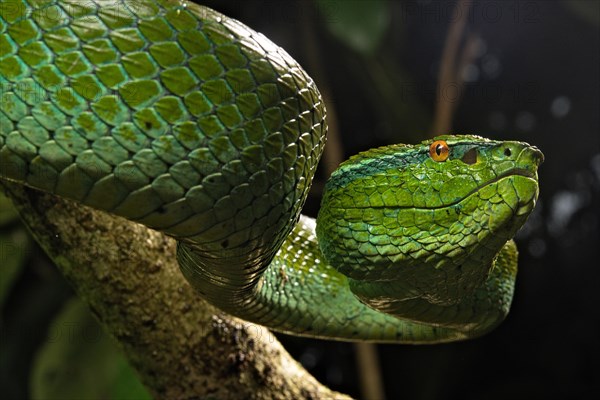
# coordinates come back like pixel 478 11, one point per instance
pixel 428 218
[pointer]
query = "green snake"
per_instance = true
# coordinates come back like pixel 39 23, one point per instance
pixel 174 116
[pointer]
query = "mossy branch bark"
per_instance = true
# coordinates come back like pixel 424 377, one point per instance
pixel 181 346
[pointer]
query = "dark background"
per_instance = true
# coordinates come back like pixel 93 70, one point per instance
pixel 533 77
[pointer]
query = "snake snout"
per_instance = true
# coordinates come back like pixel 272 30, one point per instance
pixel 530 155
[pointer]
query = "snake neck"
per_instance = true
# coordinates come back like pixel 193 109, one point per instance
pixel 226 281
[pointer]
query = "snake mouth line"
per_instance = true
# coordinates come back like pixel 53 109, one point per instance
pixel 512 172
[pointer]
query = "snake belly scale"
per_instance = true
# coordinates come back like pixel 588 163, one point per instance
pixel 172 115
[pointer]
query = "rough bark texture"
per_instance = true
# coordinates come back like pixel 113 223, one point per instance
pixel 181 346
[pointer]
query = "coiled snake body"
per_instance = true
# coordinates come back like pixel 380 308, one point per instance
pixel 174 116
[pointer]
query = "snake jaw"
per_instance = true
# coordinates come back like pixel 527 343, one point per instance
pixel 524 176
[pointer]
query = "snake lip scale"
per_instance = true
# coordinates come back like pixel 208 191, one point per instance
pixel 511 173
pixel 514 172
pixel 218 148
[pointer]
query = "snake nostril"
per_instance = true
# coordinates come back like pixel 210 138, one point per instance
pixel 507 152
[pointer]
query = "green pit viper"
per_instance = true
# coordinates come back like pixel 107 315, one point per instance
pixel 172 115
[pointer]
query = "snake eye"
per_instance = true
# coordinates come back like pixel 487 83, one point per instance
pixel 439 151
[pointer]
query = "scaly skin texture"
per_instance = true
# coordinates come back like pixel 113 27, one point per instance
pixel 174 116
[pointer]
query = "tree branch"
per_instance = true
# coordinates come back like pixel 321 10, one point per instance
pixel 180 346
pixel 449 72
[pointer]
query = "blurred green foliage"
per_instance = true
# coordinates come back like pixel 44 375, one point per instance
pixel 587 10
pixel 79 357
pixel 8 213
pixel 14 246
pixel 359 24
pixel 63 356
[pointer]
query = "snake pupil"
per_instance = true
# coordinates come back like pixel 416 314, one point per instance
pixel 439 150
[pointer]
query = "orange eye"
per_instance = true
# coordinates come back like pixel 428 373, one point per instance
pixel 439 151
